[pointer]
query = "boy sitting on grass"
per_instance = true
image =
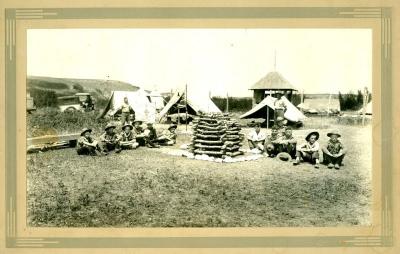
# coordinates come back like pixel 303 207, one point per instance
pixel 256 139
pixel 87 145
pixel 334 151
pixel 168 137
pixel 309 151
pixel 272 147
pixel 110 140
pixel 127 138
pixel 288 143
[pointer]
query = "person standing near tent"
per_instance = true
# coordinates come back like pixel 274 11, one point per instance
pixel 110 140
pixel 280 106
pixel 126 111
pixel 334 151
pixel 256 139
pixel 127 138
pixel 309 151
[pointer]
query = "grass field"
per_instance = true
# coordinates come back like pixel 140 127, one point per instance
pixel 148 188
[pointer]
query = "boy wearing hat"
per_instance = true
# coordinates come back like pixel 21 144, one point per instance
pixel 334 151
pixel 168 137
pixel 309 151
pixel 138 131
pixel 110 140
pixel 272 142
pixel 86 144
pixel 256 138
pixel 288 143
pixel 150 134
pixel 127 138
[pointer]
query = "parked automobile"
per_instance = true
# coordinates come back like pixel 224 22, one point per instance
pixel 78 102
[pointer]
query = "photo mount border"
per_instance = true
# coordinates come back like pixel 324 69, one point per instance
pixel 385 239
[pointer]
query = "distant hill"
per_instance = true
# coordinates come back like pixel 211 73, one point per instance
pixel 67 86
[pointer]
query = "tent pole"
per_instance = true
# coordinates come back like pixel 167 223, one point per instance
pixel 186 107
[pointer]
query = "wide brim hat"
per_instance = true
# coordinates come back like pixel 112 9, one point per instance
pixel 137 121
pixel 284 156
pixel 316 133
pixel 85 130
pixel 333 133
pixel 172 126
pixel 110 125
pixel 127 125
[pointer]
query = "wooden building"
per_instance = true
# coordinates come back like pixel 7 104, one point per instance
pixel 272 83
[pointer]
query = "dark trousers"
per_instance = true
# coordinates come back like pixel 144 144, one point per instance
pixel 334 160
pixel 86 150
pixel 308 156
pixel 106 147
pixel 289 148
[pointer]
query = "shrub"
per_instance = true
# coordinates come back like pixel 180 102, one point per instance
pixel 351 101
pixel 44 98
pixel 49 121
pixel 78 88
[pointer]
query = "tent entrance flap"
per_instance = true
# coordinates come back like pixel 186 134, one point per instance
pixel 144 109
pixel 260 110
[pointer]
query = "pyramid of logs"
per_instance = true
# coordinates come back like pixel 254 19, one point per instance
pixel 216 136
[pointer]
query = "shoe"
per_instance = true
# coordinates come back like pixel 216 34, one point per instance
pixel 295 163
pixel 118 150
pixel 316 166
pixel 337 166
pixel 330 165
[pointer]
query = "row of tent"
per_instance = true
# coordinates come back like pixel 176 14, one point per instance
pixel 150 107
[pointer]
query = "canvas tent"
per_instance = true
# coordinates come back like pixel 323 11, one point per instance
pixel 195 104
pixel 260 110
pixel 144 109
pixel 157 100
pixel 320 103
pixel 368 109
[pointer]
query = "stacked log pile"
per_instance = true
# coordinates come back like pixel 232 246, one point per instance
pixel 217 136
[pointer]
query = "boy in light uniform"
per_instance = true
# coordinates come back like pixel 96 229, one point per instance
pixel 168 137
pixel 126 111
pixel 256 139
pixel 334 151
pixel 309 151
pixel 127 138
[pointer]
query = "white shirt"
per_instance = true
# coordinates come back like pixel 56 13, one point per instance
pixel 253 136
pixel 313 148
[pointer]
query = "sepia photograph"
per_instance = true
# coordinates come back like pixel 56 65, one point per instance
pixel 199 127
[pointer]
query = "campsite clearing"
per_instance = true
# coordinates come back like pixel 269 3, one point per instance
pixel 146 188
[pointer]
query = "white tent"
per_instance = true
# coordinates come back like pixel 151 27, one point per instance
pixel 368 109
pixel 195 105
pixel 144 109
pixel 157 99
pixel 260 110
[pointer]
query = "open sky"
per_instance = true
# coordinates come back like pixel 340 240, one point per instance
pixel 219 61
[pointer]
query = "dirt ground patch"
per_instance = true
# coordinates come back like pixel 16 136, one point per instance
pixel 147 188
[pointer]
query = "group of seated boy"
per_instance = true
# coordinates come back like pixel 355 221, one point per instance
pixel 282 143
pixel 130 137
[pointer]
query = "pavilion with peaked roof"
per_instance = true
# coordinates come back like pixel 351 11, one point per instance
pixel 272 83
